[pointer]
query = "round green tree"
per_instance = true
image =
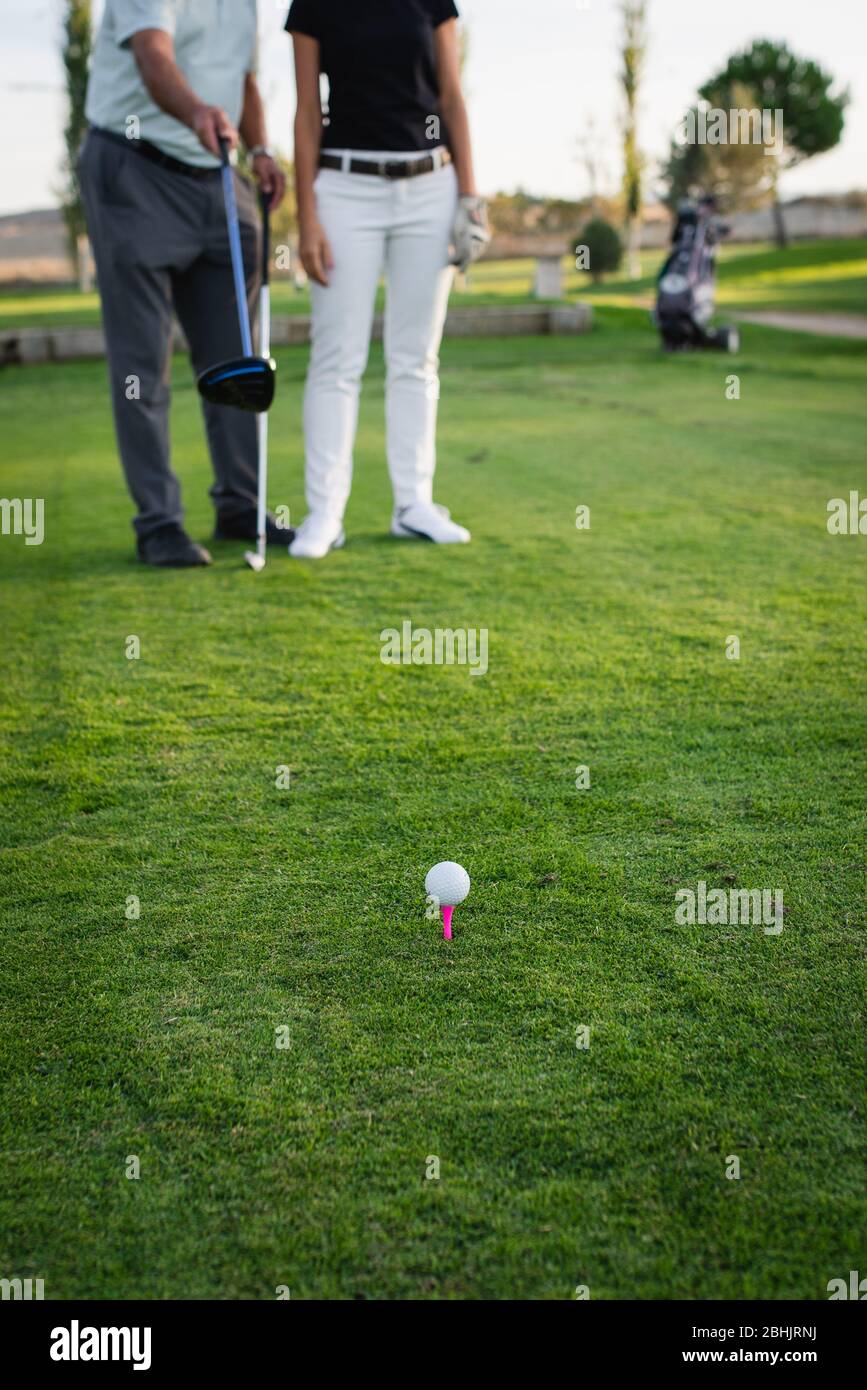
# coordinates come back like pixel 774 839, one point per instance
pixel 598 249
pixel 812 115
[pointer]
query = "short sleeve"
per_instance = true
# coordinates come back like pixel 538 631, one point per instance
pixel 131 16
pixel 303 19
pixel 441 10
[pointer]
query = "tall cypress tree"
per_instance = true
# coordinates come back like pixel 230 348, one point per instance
pixel 633 54
pixel 77 46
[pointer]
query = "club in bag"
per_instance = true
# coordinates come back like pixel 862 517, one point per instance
pixel 685 297
pixel 256 558
pixel 246 383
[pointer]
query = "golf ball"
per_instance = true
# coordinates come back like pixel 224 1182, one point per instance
pixel 448 882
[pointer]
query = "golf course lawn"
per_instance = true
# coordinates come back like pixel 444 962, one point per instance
pixel 827 277
pixel 303 909
pixel 496 283
pixel 809 276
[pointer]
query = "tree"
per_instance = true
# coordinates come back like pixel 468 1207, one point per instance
pixel 634 51
pixel 77 46
pixel 739 175
pixel 812 116
pixel 600 247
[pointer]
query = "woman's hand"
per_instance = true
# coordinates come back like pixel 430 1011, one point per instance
pixel 471 234
pixel 315 251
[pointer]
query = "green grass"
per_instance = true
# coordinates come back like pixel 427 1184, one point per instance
pixel 495 282
pixel 808 277
pixel 822 276
pixel 304 908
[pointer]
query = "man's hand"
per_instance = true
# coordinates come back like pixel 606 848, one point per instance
pixel 155 55
pixel 211 124
pixel 271 178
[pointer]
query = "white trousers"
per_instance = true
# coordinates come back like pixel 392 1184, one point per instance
pixel 402 227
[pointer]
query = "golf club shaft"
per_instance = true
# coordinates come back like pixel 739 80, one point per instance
pixel 235 248
pixel 265 351
pixel 261 511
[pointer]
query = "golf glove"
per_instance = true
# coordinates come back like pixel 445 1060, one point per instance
pixel 471 235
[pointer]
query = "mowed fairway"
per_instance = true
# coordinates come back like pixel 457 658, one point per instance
pixel 303 909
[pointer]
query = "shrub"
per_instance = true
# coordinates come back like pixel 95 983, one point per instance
pixel 598 249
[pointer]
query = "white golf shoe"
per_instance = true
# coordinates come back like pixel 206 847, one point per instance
pixel 428 521
pixel 317 534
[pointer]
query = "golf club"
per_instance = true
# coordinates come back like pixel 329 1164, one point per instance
pixel 246 383
pixel 256 558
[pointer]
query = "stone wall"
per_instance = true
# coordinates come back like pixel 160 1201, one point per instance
pixel 29 345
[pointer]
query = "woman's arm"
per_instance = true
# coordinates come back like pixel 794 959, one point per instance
pixel 452 104
pixel 314 249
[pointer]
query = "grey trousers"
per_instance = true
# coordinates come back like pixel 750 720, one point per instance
pixel 160 242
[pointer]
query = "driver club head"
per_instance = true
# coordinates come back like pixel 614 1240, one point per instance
pixel 245 383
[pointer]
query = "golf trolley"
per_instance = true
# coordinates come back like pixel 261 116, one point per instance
pixel 685 289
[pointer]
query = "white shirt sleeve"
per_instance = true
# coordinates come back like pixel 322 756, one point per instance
pixel 131 16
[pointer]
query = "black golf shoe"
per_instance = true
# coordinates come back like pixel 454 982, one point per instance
pixel 171 548
pixel 243 528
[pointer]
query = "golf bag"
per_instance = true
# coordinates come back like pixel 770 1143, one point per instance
pixel 685 289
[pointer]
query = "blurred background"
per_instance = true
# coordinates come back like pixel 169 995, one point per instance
pixel 576 107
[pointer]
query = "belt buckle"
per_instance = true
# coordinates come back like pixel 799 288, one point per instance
pixel 383 168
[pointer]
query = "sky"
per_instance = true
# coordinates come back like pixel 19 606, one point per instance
pixel 538 72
